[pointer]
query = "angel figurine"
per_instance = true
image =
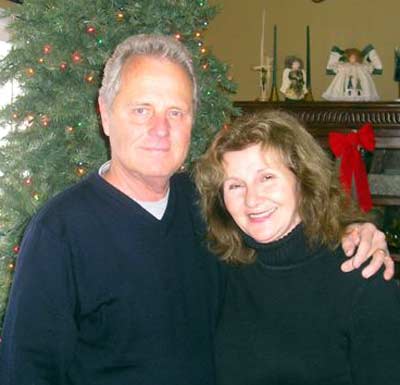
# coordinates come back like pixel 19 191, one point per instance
pixel 294 79
pixel 353 69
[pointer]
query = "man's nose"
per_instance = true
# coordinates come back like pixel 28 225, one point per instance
pixel 160 126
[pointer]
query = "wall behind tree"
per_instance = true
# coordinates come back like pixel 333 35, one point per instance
pixel 5 4
pixel 234 36
pixel 4 35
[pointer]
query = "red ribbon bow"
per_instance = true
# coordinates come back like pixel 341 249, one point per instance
pixel 347 147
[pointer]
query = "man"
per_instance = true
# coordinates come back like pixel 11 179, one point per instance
pixel 112 285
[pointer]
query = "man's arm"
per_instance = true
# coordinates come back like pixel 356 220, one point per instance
pixel 39 331
pixel 374 333
pixel 363 241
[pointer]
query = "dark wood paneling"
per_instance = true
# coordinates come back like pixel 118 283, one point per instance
pixel 322 117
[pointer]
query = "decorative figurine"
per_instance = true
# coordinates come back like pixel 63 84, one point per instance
pixel 294 79
pixel 353 69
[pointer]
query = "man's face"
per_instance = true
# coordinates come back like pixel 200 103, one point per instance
pixel 150 120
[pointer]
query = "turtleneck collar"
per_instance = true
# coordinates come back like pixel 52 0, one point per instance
pixel 291 250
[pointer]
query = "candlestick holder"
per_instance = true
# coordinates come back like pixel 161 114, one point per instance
pixel 263 97
pixel 308 97
pixel 263 70
pixel 274 95
pixel 265 78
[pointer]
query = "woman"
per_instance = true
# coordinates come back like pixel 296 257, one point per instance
pixel 276 214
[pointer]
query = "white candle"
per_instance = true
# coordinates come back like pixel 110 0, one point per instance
pixel 262 39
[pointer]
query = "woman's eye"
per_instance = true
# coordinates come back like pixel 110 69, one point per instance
pixel 234 186
pixel 267 177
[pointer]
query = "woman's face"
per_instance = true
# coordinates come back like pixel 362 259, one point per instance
pixel 260 193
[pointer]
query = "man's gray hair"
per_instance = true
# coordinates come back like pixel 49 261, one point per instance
pixel 145 45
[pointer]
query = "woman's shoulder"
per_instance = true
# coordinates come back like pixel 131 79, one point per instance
pixel 356 284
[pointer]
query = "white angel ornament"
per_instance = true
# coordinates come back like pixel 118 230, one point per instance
pixel 353 70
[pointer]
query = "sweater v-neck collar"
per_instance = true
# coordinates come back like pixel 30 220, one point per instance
pixel 136 208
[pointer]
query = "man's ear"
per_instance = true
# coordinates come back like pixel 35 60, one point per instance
pixel 105 116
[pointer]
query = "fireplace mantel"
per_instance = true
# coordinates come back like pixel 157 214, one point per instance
pixel 322 117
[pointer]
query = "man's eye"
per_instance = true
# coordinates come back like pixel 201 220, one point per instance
pixel 141 111
pixel 176 113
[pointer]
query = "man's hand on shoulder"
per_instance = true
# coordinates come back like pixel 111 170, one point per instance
pixel 364 241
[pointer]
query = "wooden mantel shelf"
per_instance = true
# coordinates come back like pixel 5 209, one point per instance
pixel 320 118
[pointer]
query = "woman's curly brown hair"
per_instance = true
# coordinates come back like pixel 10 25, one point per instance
pixel 324 209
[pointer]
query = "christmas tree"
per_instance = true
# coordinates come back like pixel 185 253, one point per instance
pixel 58 52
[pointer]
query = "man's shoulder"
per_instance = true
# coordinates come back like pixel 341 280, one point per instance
pixel 184 182
pixel 70 202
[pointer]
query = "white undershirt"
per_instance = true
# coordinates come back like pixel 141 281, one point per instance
pixel 155 208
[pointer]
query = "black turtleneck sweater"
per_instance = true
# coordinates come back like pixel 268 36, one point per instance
pixel 293 317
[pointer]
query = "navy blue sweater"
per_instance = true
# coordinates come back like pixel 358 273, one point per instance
pixel 294 318
pixel 104 293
